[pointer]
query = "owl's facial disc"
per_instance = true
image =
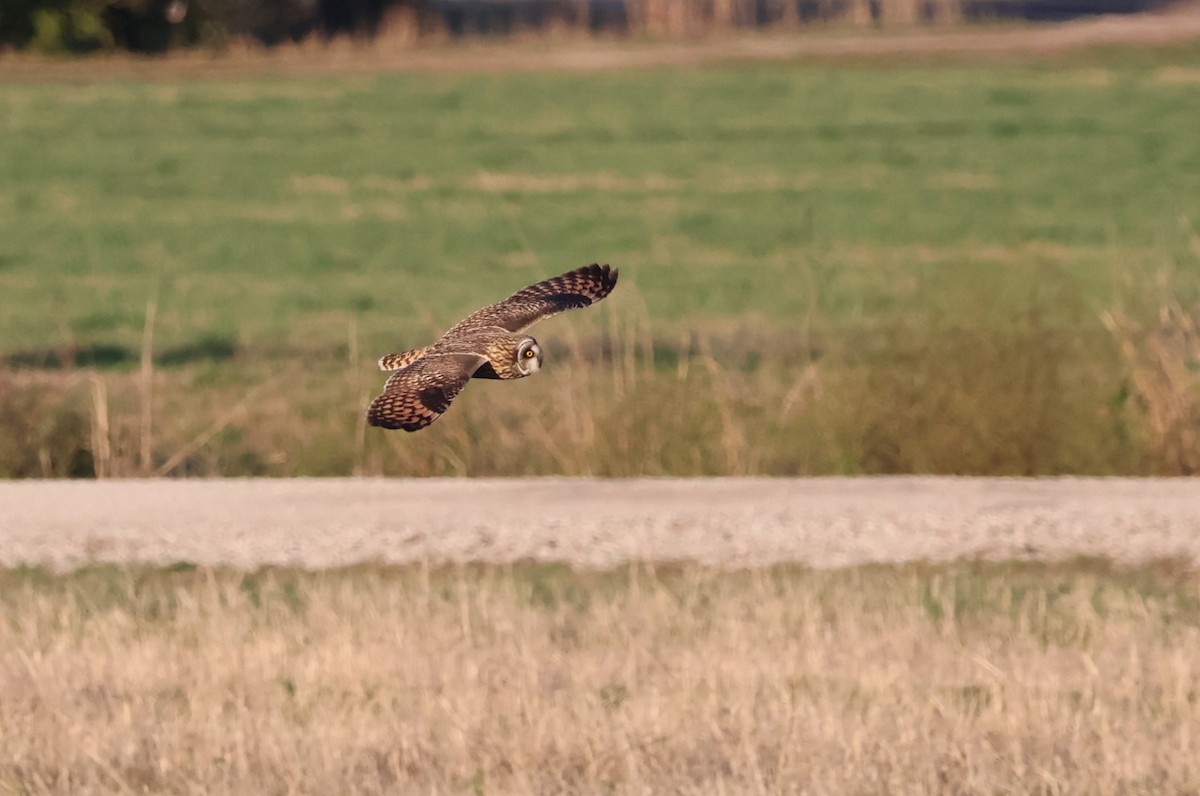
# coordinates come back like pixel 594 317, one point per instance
pixel 529 357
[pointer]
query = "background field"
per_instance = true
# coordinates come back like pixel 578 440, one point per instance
pixel 527 679
pixel 826 268
pixel 854 266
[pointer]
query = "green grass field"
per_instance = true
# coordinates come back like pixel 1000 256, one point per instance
pixel 929 245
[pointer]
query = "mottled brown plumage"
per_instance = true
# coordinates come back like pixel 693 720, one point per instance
pixel 487 344
pixel 415 396
pixel 547 298
pixel 399 360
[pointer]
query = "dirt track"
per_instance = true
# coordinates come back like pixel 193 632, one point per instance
pixel 726 522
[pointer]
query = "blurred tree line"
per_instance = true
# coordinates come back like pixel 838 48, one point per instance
pixel 152 26
pixel 157 25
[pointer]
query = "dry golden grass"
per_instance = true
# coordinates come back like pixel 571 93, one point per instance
pixel 967 679
pixel 1163 363
pixel 741 398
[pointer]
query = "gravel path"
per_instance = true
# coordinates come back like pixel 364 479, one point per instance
pixel 727 522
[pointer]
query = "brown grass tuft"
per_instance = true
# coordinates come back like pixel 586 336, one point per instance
pixel 1162 360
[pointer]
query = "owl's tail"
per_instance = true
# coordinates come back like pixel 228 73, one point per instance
pixel 402 359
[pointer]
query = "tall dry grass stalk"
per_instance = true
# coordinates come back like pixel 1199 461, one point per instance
pixel 101 447
pixel 355 377
pixel 146 383
pixel 733 439
pixel 650 680
pixel 1162 360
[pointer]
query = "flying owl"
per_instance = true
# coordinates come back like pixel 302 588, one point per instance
pixel 488 344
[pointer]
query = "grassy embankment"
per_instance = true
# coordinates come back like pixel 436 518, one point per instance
pixel 826 268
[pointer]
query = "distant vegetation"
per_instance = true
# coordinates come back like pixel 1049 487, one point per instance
pixel 825 269
pixel 158 25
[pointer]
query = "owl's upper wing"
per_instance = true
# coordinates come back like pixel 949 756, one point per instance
pixel 401 359
pixel 417 395
pixel 522 309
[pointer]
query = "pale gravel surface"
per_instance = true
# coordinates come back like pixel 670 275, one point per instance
pixel 821 522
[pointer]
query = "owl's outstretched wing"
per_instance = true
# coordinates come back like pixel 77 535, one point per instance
pixel 418 395
pixel 547 298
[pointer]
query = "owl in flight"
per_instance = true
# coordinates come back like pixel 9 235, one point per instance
pixel 488 344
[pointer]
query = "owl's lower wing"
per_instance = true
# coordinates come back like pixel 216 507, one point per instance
pixel 418 395
pixel 574 289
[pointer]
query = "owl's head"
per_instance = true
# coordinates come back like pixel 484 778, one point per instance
pixel 529 357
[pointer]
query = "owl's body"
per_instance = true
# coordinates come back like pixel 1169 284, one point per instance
pixel 488 344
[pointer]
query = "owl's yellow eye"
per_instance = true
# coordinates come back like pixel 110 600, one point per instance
pixel 528 353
